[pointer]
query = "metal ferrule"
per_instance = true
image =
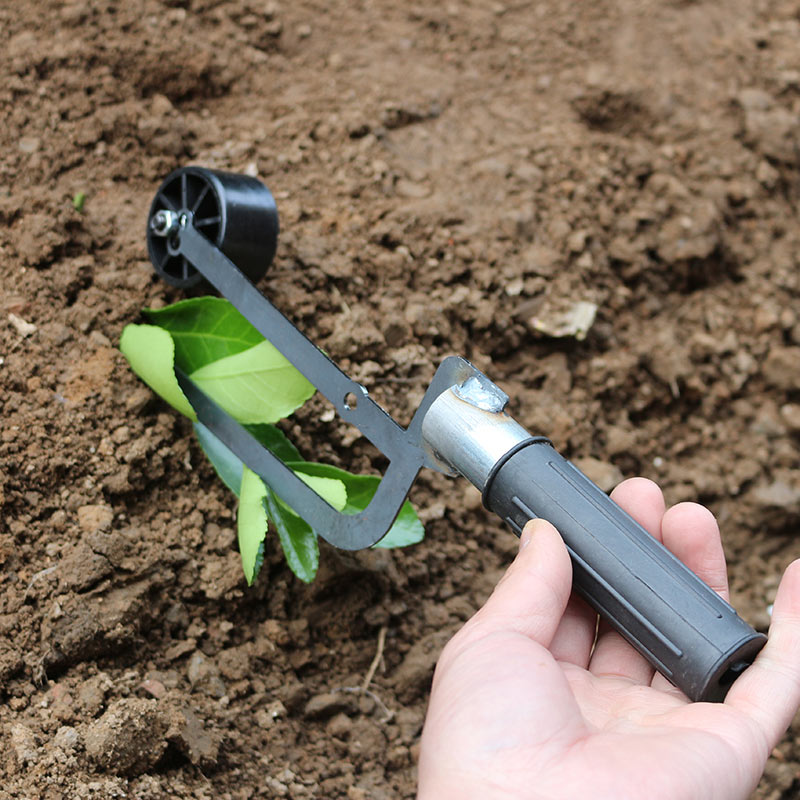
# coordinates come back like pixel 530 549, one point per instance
pixel 466 428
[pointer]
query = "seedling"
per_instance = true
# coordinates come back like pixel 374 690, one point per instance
pixel 223 228
pixel 224 355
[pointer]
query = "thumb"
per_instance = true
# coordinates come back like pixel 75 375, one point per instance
pixel 533 593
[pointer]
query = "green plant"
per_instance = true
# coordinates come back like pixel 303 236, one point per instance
pixel 239 369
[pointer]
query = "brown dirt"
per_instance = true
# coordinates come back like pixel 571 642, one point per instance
pixel 449 176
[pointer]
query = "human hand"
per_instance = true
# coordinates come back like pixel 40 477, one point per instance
pixel 525 704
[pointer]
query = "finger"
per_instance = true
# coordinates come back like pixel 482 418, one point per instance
pixel 613 655
pixel 769 690
pixel 644 501
pixel 691 533
pixel 533 593
pixel 575 635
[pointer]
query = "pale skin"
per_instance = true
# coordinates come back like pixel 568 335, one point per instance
pixel 525 705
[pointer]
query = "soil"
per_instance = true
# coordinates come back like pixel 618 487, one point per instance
pixel 451 178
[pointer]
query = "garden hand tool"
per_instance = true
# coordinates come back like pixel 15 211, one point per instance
pixel 223 228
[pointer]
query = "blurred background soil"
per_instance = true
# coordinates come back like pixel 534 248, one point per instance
pixel 451 178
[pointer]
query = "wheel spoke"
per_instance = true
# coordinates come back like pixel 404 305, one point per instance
pixel 207 221
pixel 166 201
pixel 200 198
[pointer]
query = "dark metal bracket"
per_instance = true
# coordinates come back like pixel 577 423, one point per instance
pixel 402 446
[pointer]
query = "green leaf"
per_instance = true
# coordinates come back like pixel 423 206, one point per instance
pixel 274 439
pixel 78 201
pixel 406 530
pixel 254 386
pixel 227 465
pixel 233 363
pixel 230 468
pixel 151 354
pixel 298 541
pixel 251 523
pixel 205 329
pixel 332 490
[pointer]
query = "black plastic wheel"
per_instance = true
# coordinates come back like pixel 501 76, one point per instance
pixel 235 212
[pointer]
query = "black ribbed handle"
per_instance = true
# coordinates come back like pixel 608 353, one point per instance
pixel 683 628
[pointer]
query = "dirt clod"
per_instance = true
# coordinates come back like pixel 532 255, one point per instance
pixel 23 742
pixel 328 704
pixel 94 517
pixel 204 676
pixel 128 739
pixel 416 669
pixel 188 734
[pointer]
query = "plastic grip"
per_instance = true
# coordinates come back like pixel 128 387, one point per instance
pixel 677 622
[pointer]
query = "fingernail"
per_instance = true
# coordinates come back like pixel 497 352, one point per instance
pixel 526 535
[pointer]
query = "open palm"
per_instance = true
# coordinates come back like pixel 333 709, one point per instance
pixel 530 700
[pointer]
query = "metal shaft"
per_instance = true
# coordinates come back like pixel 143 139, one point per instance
pixel 468 430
